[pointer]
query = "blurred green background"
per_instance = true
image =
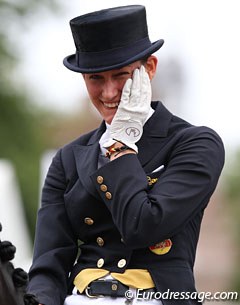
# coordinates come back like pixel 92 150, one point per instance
pixel 27 130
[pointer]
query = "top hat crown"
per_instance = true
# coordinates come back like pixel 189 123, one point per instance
pixel 110 39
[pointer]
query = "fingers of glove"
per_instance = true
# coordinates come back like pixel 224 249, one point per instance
pixel 135 90
pixel 145 82
pixel 126 92
pixel 146 90
pixel 122 111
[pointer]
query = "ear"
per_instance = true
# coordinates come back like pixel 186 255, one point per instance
pixel 151 66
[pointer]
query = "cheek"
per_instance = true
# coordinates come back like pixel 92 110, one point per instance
pixel 120 84
pixel 93 91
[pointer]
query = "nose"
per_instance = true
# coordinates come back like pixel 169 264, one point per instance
pixel 109 91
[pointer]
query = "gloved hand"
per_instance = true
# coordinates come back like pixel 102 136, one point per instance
pixel 133 110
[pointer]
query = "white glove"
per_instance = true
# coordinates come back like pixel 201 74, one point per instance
pixel 133 110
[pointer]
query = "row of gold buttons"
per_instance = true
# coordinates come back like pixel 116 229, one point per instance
pixel 89 221
pixel 103 187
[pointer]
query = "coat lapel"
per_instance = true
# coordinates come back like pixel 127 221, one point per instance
pixel 154 135
pixel 86 157
pixel 153 140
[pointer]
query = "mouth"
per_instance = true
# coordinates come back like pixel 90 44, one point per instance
pixel 111 105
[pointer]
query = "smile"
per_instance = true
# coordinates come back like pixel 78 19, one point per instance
pixel 111 105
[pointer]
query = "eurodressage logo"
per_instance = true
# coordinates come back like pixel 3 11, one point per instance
pixel 132 132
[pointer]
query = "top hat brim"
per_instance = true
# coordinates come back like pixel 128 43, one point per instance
pixel 70 61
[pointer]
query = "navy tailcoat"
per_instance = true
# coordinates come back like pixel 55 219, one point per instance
pixel 153 226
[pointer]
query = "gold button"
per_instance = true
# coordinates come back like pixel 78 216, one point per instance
pixel 103 188
pixel 89 221
pixel 108 195
pixel 122 263
pixel 100 241
pixel 100 262
pixel 99 179
pixel 114 287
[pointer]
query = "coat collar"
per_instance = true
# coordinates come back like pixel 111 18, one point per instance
pixel 158 124
pixel 155 132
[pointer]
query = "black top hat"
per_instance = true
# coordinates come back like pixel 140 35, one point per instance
pixel 110 39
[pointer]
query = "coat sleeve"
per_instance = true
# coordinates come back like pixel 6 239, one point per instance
pixel 55 246
pixel 146 216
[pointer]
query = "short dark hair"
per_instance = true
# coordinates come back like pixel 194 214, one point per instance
pixel 144 60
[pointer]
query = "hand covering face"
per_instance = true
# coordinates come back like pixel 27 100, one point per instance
pixel 133 110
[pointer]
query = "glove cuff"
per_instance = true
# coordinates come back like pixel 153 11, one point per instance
pixel 110 142
pixel 132 146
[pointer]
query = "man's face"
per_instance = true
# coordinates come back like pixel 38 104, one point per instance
pixel 105 89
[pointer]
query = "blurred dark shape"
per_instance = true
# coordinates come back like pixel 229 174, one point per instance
pixel 7 251
pixel 20 277
pixel 30 299
pixel 13 281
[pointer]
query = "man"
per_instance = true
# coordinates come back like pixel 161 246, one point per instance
pixel 130 194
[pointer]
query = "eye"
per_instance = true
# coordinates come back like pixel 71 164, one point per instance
pixel 95 77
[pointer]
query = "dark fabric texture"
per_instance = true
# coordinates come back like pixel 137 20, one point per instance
pixel 136 216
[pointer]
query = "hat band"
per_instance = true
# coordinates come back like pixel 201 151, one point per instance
pixel 112 56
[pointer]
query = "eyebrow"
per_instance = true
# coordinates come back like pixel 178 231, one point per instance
pixel 122 73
